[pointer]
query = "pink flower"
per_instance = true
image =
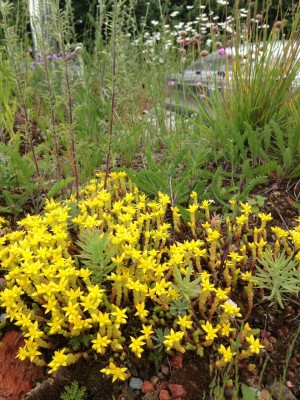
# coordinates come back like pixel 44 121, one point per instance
pixel 199 84
pixel 202 96
pixel 184 42
pixel 221 52
pixel 171 83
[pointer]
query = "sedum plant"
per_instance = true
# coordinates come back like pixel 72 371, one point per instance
pixel 52 289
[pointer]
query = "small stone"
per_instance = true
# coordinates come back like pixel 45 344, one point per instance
pixel 265 395
pixel 164 369
pixel 162 385
pixel 135 383
pixel 147 387
pixel 286 393
pixel 154 379
pixel 268 345
pixel 272 339
pixel 177 390
pixel 176 361
pixel 2 283
pixel 164 395
pixel 16 377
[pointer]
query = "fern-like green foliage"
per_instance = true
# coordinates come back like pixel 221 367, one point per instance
pixel 76 342
pixel 287 142
pixel 73 392
pixel 224 192
pixel 16 178
pixel 96 251
pixel 177 183
pixel 279 275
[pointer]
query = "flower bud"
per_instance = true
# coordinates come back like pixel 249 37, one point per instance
pixel 181 52
pixel 215 29
pixel 204 53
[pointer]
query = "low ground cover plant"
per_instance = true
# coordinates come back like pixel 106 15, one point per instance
pixel 194 281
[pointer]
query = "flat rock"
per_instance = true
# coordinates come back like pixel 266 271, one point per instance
pixel 16 377
pixel 178 391
pixel 164 395
pixel 286 393
pixel 147 387
pixel 136 383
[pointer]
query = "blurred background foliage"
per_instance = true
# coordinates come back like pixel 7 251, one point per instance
pixel 153 9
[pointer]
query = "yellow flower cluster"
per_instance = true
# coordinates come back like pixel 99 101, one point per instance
pixel 50 293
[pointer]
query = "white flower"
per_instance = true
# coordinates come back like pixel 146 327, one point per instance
pixel 154 22
pixel 174 13
pixel 228 29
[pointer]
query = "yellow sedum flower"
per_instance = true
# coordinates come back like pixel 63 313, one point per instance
pixel 211 332
pixel 246 208
pixel 226 353
pixel 173 339
pixel 116 372
pixel 59 359
pixel 225 329
pixel 136 345
pixel 255 346
pixel 185 322
pixel 100 343
pixel 147 331
pixel 141 312
pixel 230 309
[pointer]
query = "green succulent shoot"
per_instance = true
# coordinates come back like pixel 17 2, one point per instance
pixel 279 274
pixel 183 285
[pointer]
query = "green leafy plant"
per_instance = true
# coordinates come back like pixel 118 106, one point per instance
pixel 179 307
pixel 96 253
pixel 172 180
pixel 159 338
pixel 248 392
pixel 240 189
pixel 16 183
pixel 279 275
pixel 155 357
pixel 73 392
pixel 76 342
pixel 187 288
